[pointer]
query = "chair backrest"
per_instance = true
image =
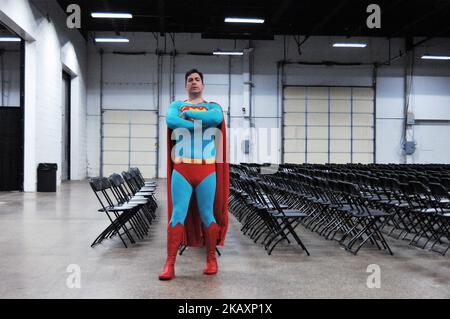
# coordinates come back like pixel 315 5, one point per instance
pixel 115 180
pixel 118 188
pixel 438 189
pixel 129 180
pixel 271 198
pixel 96 184
pixel 419 187
pixel 100 185
pixel 446 183
pixel 138 175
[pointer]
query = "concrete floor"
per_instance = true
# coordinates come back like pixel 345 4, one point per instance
pixel 41 234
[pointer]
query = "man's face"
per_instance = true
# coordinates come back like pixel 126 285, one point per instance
pixel 194 84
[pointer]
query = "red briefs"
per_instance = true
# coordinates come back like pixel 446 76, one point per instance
pixel 194 173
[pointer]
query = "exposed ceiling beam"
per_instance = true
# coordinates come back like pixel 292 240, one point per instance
pixel 423 17
pixel 275 18
pixel 328 17
pixel 107 8
pixel 357 29
pixel 162 27
pixel 322 22
pixel 288 17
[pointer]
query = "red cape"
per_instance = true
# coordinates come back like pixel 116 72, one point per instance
pixel 193 230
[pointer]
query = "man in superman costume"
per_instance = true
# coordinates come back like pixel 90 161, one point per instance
pixel 196 163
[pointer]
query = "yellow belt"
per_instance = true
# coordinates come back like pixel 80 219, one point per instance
pixel 188 160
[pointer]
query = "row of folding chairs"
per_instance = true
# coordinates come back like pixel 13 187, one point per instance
pixel 335 209
pixel 358 204
pixel 418 204
pixel 263 218
pixel 129 203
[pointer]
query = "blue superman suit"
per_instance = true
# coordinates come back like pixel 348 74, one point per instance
pixel 196 152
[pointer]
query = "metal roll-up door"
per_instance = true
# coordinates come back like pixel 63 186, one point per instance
pixel 129 139
pixel 328 124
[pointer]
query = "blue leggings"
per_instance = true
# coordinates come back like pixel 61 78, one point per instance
pixel 181 190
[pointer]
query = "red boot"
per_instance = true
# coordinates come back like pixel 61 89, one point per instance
pixel 211 235
pixel 174 238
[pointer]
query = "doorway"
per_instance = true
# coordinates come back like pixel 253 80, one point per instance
pixel 65 127
pixel 12 52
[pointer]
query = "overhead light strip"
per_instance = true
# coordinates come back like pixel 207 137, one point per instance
pixel 112 15
pixel 243 20
pixel 10 39
pixel 435 57
pixel 227 53
pixel 117 40
pixel 349 45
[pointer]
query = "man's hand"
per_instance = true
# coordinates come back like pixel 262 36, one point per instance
pixel 184 116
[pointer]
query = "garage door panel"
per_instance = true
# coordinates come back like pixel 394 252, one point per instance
pixel 115 117
pixel 113 157
pixel 143 144
pixel 340 146
pixel 142 158
pixel 294 119
pixel 148 171
pixel 294 146
pixel 340 132
pixel 363 106
pixel 315 119
pixel 340 119
pixel 294 92
pixel 342 106
pixel 116 144
pixel 317 146
pixel 114 169
pixel 363 119
pixel 296 158
pixel 365 133
pixel 294 132
pixel 362 93
pixel 318 132
pixel 317 93
pixel 340 93
pixel 317 158
pixel 289 131
pixel 340 158
pixel 143 117
pixel 317 106
pixel 139 130
pixel 300 132
pixel 363 158
pixel 116 130
pixel 365 146
pixel 294 106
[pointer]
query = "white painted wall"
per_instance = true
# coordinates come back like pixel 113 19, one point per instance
pixel 50 47
pixel 430 85
pixel 131 81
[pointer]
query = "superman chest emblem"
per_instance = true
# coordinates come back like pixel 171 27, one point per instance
pixel 193 108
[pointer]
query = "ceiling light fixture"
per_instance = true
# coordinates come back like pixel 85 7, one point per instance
pixel 349 45
pixel 10 39
pixel 113 15
pixel 435 57
pixel 244 20
pixel 228 53
pixel 119 40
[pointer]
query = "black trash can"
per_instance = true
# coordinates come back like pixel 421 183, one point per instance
pixel 46 177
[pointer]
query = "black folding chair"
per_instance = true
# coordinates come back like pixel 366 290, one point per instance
pixel 118 214
pixel 287 218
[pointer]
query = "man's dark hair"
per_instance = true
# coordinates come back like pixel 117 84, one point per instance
pixel 191 72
